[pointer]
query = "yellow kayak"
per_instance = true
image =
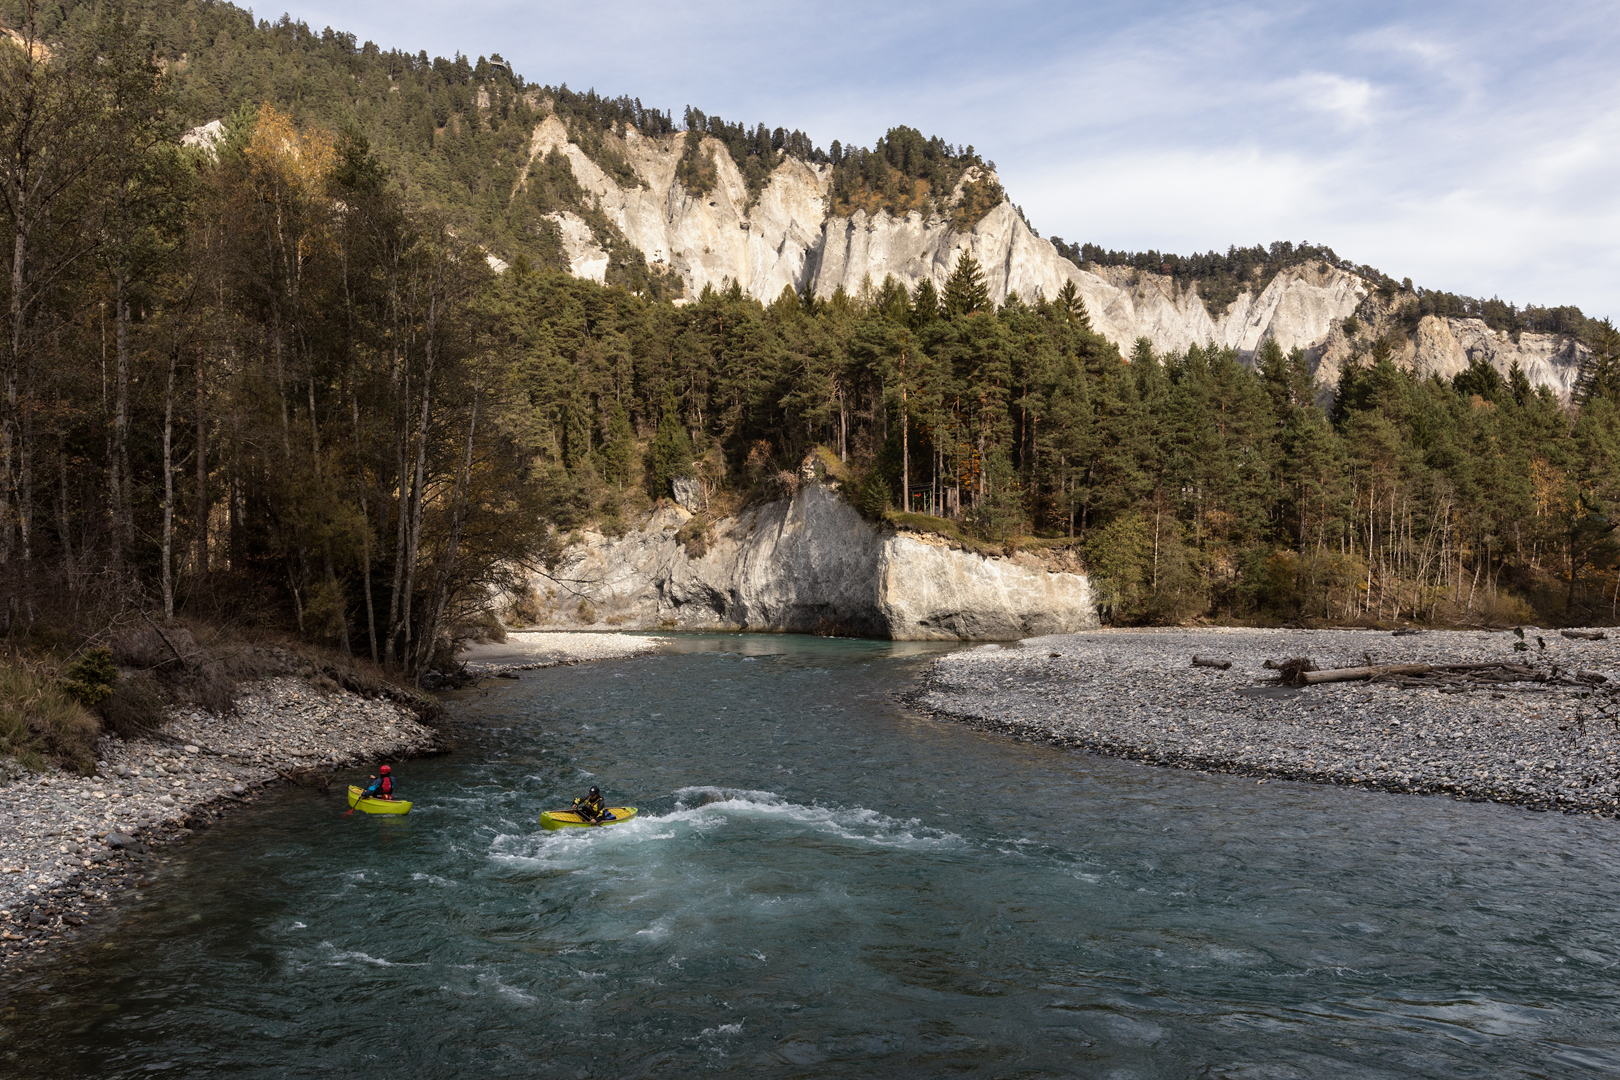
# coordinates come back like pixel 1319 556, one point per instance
pixel 377 806
pixel 568 819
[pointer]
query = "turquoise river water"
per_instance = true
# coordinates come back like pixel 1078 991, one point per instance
pixel 822 884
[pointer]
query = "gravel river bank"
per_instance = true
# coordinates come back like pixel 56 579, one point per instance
pixel 69 844
pixel 1136 695
pixel 530 650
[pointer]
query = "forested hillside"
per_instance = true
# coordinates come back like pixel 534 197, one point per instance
pixel 275 379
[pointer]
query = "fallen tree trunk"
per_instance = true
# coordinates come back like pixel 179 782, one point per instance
pixel 1300 672
pixel 1351 674
pixel 1585 635
pixel 1205 661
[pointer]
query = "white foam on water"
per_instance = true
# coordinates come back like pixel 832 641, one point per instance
pixel 434 879
pixel 513 993
pixel 339 956
pixel 857 824
pixel 700 810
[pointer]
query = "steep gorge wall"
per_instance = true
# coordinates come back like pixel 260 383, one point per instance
pixel 1446 346
pixel 806 564
pixel 786 239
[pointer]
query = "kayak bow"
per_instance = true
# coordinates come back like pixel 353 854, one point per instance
pixel 568 819
pixel 377 806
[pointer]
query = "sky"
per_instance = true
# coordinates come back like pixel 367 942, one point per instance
pixel 1473 147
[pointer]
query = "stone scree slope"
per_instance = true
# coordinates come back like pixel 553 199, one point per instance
pixel 786 239
pixel 806 564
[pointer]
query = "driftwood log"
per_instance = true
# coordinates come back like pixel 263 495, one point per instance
pixel 1585 635
pixel 1206 661
pixel 1351 674
pixel 1299 673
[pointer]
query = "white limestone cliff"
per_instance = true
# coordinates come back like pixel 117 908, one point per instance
pixel 786 239
pixel 806 564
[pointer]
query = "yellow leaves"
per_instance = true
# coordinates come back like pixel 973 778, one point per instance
pixel 899 195
pixel 979 197
pixel 286 172
pixel 35 50
pixel 1549 488
pixel 280 154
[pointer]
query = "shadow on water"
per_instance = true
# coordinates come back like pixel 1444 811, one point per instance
pixel 823 884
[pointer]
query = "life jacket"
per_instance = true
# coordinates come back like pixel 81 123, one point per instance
pixel 385 788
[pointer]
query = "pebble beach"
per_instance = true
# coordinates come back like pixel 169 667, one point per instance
pixel 1136 695
pixel 69 844
pixel 529 650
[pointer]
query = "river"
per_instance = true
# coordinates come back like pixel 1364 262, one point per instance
pixel 822 883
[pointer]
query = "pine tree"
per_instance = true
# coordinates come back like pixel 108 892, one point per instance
pixel 1068 300
pixel 670 454
pixel 965 290
pixel 924 304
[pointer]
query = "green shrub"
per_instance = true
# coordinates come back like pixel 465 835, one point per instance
pixel 694 536
pixel 90 680
pixel 872 496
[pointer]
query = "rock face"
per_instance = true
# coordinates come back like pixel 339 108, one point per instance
pixel 1446 346
pixel 806 564
pixel 786 239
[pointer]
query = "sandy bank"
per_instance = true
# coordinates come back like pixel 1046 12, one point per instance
pixel 1133 694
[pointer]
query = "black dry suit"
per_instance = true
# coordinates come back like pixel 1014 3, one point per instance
pixel 591 808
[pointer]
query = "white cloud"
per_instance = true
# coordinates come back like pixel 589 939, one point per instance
pixel 1350 100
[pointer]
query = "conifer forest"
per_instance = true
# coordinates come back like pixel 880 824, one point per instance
pixel 273 377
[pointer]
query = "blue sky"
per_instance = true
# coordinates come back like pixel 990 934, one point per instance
pixel 1472 147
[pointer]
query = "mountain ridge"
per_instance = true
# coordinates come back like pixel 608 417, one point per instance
pixel 784 237
pixel 667 209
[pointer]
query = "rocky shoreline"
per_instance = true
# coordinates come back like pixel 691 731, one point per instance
pixel 530 650
pixel 69 845
pixel 1136 695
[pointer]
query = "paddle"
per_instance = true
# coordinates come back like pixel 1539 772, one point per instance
pixel 356 805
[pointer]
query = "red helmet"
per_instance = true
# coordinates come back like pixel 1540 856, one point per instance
pixel 383 770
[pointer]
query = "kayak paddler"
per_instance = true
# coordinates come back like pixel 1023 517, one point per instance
pixel 591 807
pixel 383 788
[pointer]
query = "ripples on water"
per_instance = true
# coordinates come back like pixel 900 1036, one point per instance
pixel 821 884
